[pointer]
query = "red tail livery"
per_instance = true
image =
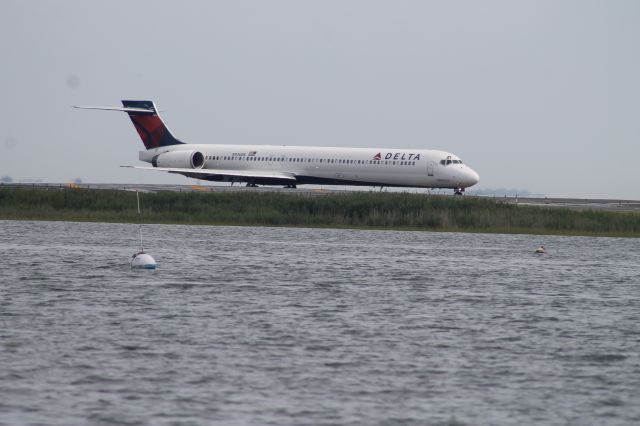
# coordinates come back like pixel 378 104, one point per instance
pixel 144 115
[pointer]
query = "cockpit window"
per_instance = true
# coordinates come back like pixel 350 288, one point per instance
pixel 450 161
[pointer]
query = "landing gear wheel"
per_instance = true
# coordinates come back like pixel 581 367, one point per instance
pixel 458 191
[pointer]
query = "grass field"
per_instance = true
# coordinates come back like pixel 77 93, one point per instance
pixel 366 210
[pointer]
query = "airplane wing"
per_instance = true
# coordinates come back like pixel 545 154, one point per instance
pixel 227 175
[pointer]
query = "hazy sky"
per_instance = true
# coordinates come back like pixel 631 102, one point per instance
pixel 537 95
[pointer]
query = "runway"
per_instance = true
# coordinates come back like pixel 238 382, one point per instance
pixel 567 203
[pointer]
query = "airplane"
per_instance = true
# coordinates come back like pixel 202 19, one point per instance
pixel 292 165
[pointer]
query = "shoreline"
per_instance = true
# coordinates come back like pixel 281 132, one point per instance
pixel 573 203
pixel 496 231
pixel 354 210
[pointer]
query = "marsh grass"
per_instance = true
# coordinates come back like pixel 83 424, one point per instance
pixel 353 210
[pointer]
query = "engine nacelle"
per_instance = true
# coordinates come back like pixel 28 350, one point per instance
pixel 179 160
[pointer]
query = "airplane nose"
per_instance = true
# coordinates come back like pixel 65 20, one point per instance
pixel 473 177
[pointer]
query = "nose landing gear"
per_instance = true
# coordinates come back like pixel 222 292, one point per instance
pixel 458 191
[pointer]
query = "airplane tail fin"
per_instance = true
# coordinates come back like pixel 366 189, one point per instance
pixel 150 127
pixel 144 116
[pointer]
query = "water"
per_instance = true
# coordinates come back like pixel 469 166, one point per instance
pixel 261 326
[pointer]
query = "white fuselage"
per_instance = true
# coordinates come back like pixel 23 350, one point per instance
pixel 336 166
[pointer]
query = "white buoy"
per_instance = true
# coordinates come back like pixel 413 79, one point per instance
pixel 142 260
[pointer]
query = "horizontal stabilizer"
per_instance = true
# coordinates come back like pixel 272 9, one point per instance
pixel 145 118
pixel 124 109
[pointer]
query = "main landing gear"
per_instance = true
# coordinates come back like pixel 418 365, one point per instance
pixel 458 191
pixel 251 185
pixel 291 185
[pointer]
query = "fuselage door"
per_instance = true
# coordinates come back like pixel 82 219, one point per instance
pixel 430 168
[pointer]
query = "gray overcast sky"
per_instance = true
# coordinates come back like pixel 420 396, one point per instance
pixel 537 95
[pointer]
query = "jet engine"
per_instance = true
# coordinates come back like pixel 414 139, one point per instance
pixel 179 160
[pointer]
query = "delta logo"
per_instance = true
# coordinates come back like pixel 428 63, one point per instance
pixel 397 156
